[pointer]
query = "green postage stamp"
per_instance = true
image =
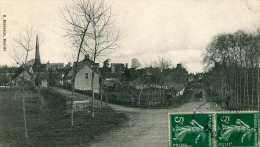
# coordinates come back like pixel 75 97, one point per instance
pixel 190 129
pixel 217 129
pixel 237 129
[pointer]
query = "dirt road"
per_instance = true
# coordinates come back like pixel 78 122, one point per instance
pixel 146 127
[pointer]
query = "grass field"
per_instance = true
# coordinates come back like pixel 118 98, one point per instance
pixel 47 123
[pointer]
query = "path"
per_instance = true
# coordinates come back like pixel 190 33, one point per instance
pixel 77 96
pixel 146 127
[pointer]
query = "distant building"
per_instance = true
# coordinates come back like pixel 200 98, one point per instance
pixel 113 74
pixel 176 77
pixel 6 74
pixel 146 77
pixel 57 76
pixel 129 74
pixel 35 74
pixel 55 66
pixel 117 68
pixel 84 75
pixel 198 78
pixel 190 78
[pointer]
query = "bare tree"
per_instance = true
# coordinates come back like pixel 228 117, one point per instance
pixel 25 43
pixel 104 38
pixel 235 56
pixel 164 63
pixel 77 16
pixel 90 32
pixel 164 66
pixel 135 63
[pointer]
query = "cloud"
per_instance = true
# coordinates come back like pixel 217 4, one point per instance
pixel 179 30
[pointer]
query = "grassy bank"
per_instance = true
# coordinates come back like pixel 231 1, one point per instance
pixel 47 123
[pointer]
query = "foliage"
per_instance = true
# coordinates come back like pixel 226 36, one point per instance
pixel 3 79
pixel 135 63
pixel 233 60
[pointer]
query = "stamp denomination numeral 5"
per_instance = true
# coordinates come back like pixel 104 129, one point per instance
pixel 224 118
pixel 179 119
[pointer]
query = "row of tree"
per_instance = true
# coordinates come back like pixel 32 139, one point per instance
pixel 235 75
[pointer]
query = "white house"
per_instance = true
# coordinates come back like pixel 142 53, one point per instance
pixel 84 76
pixel 83 79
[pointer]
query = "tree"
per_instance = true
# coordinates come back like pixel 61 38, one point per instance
pixel 3 79
pixel 164 65
pixel 135 63
pixel 77 17
pixel 233 75
pixel 25 43
pixel 90 31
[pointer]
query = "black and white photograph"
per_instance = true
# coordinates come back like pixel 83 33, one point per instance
pixel 107 73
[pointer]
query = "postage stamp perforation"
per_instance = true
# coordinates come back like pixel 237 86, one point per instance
pixel 227 128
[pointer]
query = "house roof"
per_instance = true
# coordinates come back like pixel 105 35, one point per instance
pixel 61 71
pixel 87 62
pixel 43 75
pixel 21 69
pixel 148 71
pixel 39 68
pixel 55 65
pixel 64 71
pixel 118 65
pixel 81 64
pixel 6 69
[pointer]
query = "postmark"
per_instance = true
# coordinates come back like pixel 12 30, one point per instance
pixel 237 129
pixel 190 129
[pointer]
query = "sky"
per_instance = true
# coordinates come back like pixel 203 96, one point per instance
pixel 150 29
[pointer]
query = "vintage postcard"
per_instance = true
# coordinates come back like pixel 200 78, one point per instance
pixel 129 73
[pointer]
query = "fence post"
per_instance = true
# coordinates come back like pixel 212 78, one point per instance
pixel 96 99
pixel 72 115
pixel 107 99
pixel 101 97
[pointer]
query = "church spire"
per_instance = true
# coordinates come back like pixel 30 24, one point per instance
pixel 37 52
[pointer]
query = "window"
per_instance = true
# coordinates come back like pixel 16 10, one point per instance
pixel 86 75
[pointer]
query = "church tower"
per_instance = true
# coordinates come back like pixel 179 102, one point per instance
pixel 37 53
pixel 37 61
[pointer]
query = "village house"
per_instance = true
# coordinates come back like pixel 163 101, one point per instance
pixel 190 78
pixel 176 78
pixel 57 76
pixel 112 74
pixel 55 66
pixel 84 75
pixel 35 73
pixel 145 77
pixel 115 72
pixel 6 74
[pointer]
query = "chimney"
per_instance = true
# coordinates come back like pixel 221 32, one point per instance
pixel 87 56
pixel 112 68
pixel 179 65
